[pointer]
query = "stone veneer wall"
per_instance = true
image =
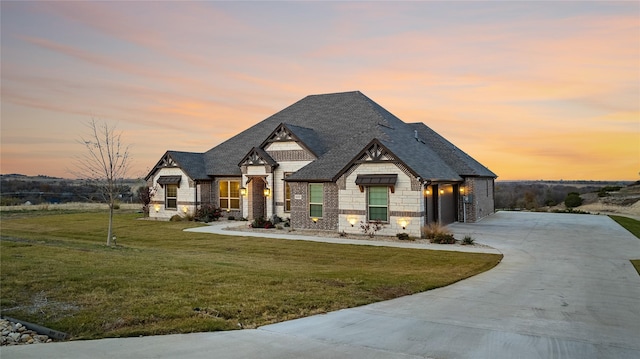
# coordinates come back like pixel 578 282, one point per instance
pixel 185 198
pixel 406 203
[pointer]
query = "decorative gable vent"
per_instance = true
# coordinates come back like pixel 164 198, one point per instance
pixel 376 153
pixel 167 161
pixel 281 134
pixel 257 157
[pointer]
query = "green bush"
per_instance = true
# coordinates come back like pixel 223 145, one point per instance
pixel 258 223
pixel 468 240
pixel 176 218
pixel 573 200
pixel 443 238
pixel 207 213
pixel 403 236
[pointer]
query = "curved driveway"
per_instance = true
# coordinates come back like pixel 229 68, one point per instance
pixel 565 289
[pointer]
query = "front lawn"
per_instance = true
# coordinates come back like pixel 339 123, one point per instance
pixel 633 226
pixel 57 272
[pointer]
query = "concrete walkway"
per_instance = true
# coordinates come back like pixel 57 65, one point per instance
pixel 565 289
pixel 226 228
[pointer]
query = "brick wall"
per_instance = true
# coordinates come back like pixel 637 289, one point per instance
pixel 481 190
pixel 300 207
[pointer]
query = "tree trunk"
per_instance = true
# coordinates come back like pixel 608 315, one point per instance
pixel 110 231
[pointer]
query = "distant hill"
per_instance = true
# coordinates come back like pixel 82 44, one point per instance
pixel 18 189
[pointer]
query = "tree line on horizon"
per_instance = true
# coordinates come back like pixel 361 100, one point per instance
pixel 534 195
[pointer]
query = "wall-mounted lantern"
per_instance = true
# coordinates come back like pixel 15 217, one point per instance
pixel 352 220
pixel 315 219
pixel 403 222
pixel 243 191
pixel 185 209
pixel 267 192
pixel 462 190
pixel 441 191
pixel 157 208
pixel 427 192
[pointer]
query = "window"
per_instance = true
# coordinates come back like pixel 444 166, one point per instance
pixel 171 196
pixel 287 194
pixel 315 200
pixel 229 195
pixel 378 204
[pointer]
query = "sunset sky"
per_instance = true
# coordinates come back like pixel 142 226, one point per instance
pixel 533 90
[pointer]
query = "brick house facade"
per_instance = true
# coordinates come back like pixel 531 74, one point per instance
pixel 330 162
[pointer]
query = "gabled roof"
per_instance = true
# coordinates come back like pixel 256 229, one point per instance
pixel 191 163
pixel 305 137
pixel 336 128
pixel 257 156
pixel 457 159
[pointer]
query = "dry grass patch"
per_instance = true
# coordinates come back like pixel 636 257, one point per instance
pixel 56 271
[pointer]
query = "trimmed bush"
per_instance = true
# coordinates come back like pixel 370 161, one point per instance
pixel 573 200
pixel 403 236
pixel 207 213
pixel 443 238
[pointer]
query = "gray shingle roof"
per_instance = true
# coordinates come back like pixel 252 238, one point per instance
pixel 337 127
pixel 192 163
pixel 457 159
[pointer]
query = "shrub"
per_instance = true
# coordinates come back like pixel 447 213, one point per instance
pixel 258 223
pixel 207 213
pixel 403 236
pixel 268 225
pixel 175 218
pixel 443 238
pixel 468 240
pixel 370 228
pixel 573 200
pixel 433 229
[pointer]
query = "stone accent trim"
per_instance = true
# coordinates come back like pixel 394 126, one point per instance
pixel 406 214
pixel 358 212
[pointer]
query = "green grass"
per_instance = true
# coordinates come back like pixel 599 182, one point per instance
pixel 633 226
pixel 57 272
pixel 630 224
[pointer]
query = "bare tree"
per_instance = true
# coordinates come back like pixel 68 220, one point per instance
pixel 105 161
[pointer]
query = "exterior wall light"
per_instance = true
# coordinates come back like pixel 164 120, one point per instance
pixel 267 192
pixel 441 191
pixel 157 208
pixel 352 221
pixel 427 192
pixel 314 219
pixel 403 224
pixel 184 209
pixel 243 191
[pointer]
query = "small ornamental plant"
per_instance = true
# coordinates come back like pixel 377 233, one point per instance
pixel 370 228
pixel 207 213
pixel 468 240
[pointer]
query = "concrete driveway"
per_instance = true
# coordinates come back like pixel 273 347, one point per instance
pixel 565 289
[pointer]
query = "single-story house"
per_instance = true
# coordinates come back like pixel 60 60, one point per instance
pixel 329 162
